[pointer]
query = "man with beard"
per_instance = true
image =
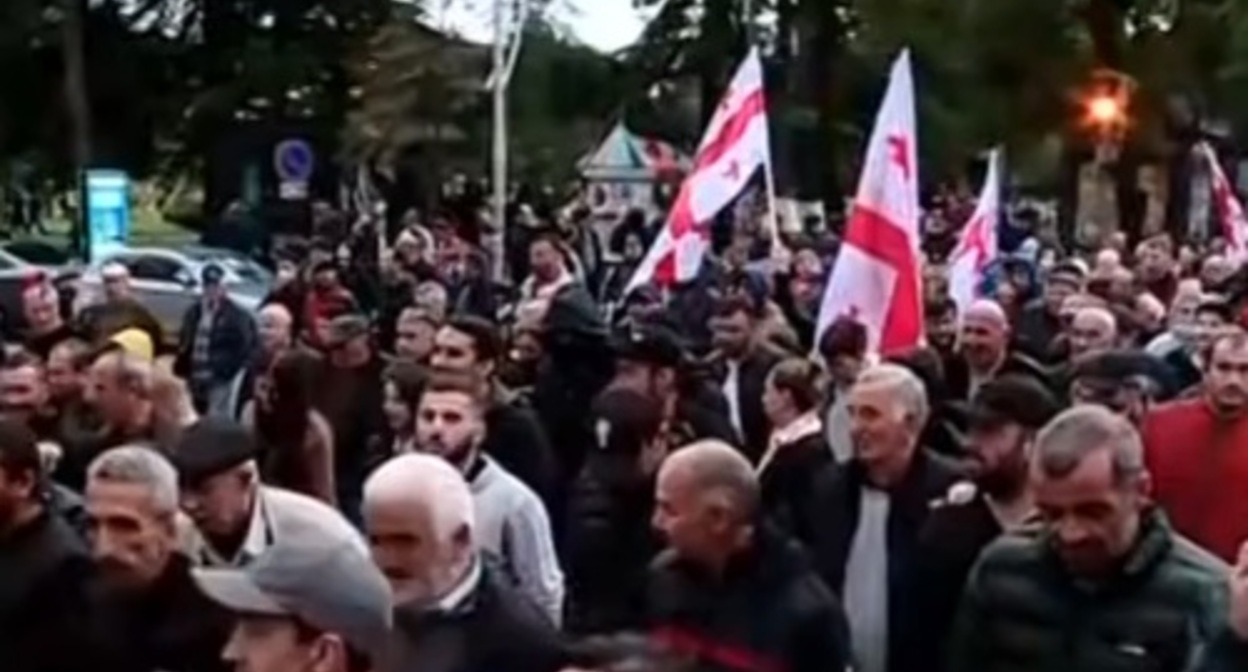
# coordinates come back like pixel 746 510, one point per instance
pixel 24 394
pixel 511 521
pixel 1198 452
pixel 150 614
pixel 651 360
pixel 44 567
pixel 453 611
pixel 514 436
pixel 1004 419
pixel 941 322
pixel 1104 582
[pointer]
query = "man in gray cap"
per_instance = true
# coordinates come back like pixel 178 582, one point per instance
pixel 311 603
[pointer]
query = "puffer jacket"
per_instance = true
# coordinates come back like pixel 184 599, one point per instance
pixel 1228 653
pixel 1021 612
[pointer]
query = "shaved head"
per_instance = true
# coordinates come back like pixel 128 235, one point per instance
pixel 987 312
pixel 714 468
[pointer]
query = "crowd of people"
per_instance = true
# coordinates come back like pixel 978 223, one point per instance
pixel 399 464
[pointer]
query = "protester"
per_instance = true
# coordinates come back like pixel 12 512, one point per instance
pixel 45 568
pixel 1184 438
pixel 511 521
pixel 1104 552
pixel 297 441
pixel 236 516
pixel 148 615
pixel 1004 418
pixel 730 592
pixel 453 610
pixel 215 341
pixel 609 539
pixel 871 510
pixel 312 601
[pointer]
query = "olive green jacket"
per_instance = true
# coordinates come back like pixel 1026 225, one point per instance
pixel 1023 612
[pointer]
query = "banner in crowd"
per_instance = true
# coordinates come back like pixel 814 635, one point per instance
pixel 877 277
pixel 735 146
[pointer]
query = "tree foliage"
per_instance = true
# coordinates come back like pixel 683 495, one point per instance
pixel 168 79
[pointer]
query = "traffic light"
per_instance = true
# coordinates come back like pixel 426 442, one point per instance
pixel 1105 105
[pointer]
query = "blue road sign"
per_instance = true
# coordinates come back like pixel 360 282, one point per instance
pixel 294 160
pixel 108 210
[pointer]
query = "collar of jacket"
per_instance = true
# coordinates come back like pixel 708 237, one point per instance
pixel 1154 541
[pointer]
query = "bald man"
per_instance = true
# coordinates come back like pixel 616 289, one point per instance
pixel 421 524
pixel 986 351
pixel 729 588
pixel 275 331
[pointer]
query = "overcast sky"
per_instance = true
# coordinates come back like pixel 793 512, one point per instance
pixel 606 25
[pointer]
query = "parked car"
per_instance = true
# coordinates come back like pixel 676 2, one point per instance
pixel 167 280
pixel 41 253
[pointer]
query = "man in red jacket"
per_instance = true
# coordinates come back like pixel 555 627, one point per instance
pixel 1197 452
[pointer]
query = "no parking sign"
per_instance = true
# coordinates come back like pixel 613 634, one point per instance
pixel 294 162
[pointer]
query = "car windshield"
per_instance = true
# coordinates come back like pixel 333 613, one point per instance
pixel 246 270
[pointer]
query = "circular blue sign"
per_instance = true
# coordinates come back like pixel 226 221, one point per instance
pixel 294 160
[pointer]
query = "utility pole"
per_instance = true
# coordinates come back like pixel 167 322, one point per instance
pixel 499 82
pixel 508 37
pixel 78 107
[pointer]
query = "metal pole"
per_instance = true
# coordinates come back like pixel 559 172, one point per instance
pixel 499 81
pixel 747 11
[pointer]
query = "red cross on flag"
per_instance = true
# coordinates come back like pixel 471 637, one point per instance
pixel 977 245
pixel 1230 210
pixel 877 276
pixel 735 146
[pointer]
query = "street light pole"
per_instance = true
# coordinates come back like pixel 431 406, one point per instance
pixel 499 86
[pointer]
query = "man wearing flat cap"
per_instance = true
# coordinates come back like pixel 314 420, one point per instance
pixel 1005 416
pixel 214 344
pixel 1124 381
pixel 313 601
pixel 236 517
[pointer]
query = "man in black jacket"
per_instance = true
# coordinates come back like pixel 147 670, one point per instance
pixel 148 614
pixel 514 435
pixel 453 612
pixel 44 568
pixel 1004 419
pixel 732 594
pixel 609 542
pixel 872 508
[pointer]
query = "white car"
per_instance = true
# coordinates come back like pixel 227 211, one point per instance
pixel 167 280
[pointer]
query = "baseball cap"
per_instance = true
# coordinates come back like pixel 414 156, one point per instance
pixel 1012 399
pixel 623 421
pixel 650 344
pixel 1111 369
pixel 134 342
pixel 210 446
pixel 327 582
pixel 212 274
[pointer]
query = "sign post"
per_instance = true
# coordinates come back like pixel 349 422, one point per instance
pixel 294 162
pixel 108 211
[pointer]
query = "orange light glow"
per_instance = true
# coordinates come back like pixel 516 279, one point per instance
pixel 1104 110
